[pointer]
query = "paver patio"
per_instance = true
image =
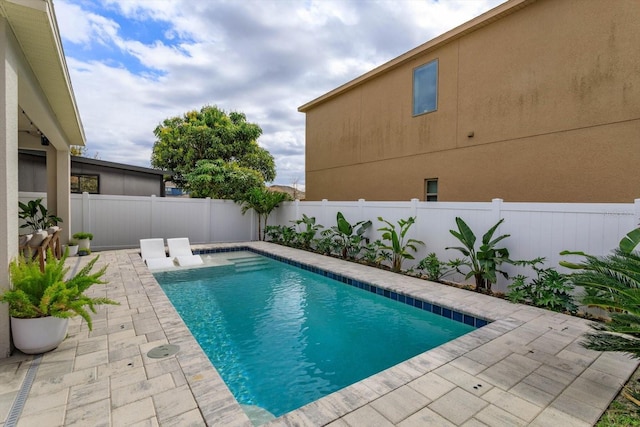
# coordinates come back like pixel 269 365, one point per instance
pixel 524 368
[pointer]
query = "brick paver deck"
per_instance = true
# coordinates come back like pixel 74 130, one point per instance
pixel 524 368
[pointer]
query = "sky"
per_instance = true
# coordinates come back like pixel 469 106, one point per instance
pixel 134 63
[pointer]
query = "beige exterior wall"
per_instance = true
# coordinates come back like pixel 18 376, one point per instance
pixel 33 82
pixel 551 92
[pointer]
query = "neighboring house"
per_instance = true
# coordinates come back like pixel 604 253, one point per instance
pixel 93 176
pixel 37 111
pixel 532 101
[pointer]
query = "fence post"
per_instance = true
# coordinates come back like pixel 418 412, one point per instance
pixel 86 213
pixel 636 209
pixel 361 210
pixel 324 212
pixel 297 209
pixel 207 220
pixel 414 207
pixel 496 209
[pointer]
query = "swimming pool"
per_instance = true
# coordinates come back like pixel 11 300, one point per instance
pixel 282 337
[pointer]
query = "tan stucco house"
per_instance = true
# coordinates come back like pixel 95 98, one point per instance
pixel 535 100
pixel 37 111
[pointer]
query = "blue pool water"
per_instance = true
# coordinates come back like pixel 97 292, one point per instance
pixel 282 337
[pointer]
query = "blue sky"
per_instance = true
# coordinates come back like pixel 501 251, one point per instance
pixel 134 63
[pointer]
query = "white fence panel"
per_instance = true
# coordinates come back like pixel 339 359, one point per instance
pixel 180 217
pixel 227 224
pixel 116 221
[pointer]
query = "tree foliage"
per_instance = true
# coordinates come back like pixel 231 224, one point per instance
pixel 210 134
pixel 221 180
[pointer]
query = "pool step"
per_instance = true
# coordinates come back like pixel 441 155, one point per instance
pixel 250 263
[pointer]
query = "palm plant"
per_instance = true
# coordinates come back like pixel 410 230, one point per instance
pixel 612 283
pixel 397 245
pixel 263 202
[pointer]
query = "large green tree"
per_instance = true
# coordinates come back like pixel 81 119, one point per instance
pixel 210 134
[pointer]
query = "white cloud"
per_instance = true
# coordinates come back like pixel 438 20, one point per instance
pixel 264 58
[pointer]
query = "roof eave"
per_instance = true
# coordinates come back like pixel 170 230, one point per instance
pixel 26 17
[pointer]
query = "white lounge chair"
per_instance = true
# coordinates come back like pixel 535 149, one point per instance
pixel 180 249
pixel 154 255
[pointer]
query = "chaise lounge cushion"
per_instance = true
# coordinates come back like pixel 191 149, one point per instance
pixel 154 255
pixel 180 249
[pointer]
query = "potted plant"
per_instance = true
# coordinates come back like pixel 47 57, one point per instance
pixel 41 302
pixel 36 215
pixel 84 241
pixel 72 248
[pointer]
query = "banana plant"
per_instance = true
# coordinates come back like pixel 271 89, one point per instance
pixel 309 230
pixel 397 245
pixel 347 237
pixel 483 263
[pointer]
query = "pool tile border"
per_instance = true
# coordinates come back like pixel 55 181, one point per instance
pixel 429 306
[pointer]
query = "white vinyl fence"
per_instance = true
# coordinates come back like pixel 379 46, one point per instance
pixel 118 222
pixel 536 229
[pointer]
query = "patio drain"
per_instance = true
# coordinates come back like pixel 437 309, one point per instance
pixel 21 397
pixel 162 351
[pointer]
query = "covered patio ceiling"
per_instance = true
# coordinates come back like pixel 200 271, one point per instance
pixel 34 25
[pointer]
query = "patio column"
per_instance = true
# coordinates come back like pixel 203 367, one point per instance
pixel 8 172
pixel 58 188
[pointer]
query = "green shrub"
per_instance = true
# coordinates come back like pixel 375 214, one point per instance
pixel 434 268
pixel 550 290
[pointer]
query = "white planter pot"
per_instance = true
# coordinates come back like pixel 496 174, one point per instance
pixel 84 243
pixel 73 250
pixel 34 336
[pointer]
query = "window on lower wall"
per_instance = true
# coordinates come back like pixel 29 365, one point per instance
pixel 85 183
pixel 431 190
pixel 425 88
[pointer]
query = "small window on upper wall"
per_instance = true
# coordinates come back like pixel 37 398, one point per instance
pixel 431 190
pixel 85 183
pixel 425 88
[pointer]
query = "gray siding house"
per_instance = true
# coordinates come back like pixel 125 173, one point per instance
pixel 91 175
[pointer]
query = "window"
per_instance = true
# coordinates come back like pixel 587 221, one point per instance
pixel 425 88
pixel 85 183
pixel 431 190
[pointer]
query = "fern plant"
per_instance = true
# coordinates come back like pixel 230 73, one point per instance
pixel 35 293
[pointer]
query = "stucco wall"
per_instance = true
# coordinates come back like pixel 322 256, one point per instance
pixel 551 93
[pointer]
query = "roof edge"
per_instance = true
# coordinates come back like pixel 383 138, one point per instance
pixel 474 24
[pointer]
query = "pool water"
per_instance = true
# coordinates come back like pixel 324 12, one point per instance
pixel 282 337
